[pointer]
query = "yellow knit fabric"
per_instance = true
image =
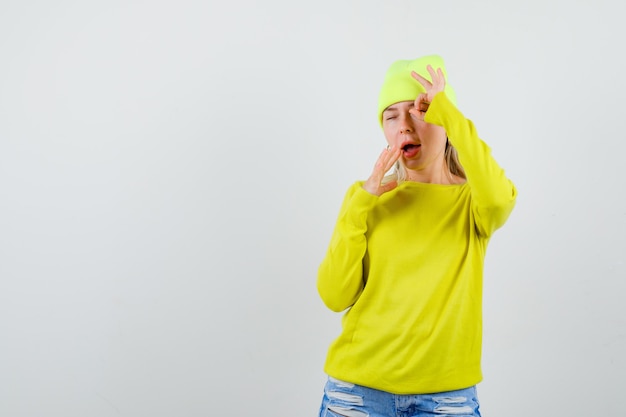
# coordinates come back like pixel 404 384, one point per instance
pixel 408 266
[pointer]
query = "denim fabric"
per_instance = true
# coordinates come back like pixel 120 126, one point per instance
pixel 343 399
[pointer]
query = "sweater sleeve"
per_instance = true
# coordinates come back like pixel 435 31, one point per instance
pixel 493 194
pixel 340 275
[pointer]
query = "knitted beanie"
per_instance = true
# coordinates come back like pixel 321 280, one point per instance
pixel 399 85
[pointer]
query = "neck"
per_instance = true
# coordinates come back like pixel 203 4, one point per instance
pixel 434 174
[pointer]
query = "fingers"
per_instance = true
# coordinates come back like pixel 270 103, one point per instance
pixel 422 102
pixel 441 81
pixel 431 71
pixel 420 106
pixel 388 187
pixel 438 81
pixel 373 182
pixel 384 163
pixel 427 84
pixel 392 156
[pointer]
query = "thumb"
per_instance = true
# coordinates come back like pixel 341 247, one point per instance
pixel 422 102
pixel 388 186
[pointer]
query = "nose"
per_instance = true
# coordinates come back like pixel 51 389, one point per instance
pixel 406 125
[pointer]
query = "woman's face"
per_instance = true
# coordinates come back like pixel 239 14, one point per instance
pixel 422 143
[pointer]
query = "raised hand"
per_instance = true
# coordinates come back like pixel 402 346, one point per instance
pixel 384 163
pixel 422 102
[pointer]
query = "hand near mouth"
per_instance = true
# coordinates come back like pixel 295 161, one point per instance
pixel 385 161
pixel 422 102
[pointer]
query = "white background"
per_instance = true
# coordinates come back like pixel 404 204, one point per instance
pixel 171 172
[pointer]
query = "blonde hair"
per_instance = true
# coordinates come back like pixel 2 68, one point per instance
pixel 450 156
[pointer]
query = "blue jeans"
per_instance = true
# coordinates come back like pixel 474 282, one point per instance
pixel 343 399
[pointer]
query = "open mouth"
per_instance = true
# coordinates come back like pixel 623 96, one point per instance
pixel 410 149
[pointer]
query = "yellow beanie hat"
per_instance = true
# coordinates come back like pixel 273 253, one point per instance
pixel 399 85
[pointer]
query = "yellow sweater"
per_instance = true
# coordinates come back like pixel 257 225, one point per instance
pixel 409 267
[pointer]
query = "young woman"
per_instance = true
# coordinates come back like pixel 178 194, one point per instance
pixel 406 258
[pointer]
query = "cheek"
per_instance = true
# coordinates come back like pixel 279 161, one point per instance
pixel 432 133
pixel 388 135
